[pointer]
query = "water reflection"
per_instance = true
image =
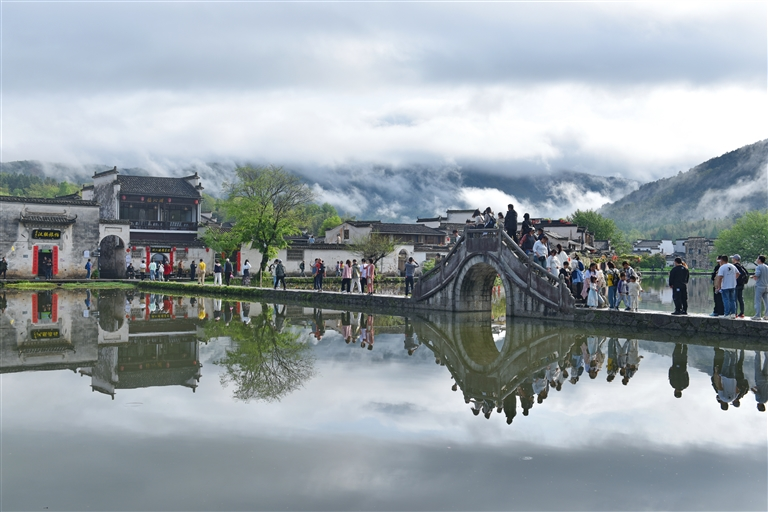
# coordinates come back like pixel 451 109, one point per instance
pixel 312 398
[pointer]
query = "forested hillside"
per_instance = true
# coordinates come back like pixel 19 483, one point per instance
pixel 702 200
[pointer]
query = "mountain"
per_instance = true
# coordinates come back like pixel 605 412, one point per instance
pixel 370 191
pixel 721 188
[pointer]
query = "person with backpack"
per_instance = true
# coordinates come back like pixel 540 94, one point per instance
pixel 88 267
pixel 279 273
pixel 741 282
pixel 612 281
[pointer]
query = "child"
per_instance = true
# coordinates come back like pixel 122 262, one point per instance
pixel 634 289
pixel 592 294
pixel 623 291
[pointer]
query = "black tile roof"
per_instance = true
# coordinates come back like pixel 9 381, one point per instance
pixel 48 219
pixel 405 229
pixel 45 200
pixel 150 185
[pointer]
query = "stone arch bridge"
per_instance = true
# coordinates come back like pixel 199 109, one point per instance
pixel 464 279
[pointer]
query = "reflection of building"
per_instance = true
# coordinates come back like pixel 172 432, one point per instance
pixel 39 332
pixel 35 230
pixel 99 336
pixel 162 214
pixel 145 364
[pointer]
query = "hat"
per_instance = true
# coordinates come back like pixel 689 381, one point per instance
pixel 736 257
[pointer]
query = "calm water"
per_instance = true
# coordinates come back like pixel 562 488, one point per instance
pixel 149 402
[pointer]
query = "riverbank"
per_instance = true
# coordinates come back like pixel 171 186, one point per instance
pixel 689 325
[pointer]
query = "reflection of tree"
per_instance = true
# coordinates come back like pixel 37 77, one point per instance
pixel 265 364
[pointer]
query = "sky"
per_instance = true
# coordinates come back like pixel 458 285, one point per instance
pixel 639 90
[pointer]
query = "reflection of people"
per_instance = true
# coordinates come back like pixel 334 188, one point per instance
pixel 410 344
pixel 87 299
pixel 216 310
pixel 510 407
pixel 3 303
pixel 678 372
pixel 613 365
pixel 761 380
pixel 724 377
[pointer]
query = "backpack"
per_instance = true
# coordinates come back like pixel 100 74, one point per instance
pixel 491 222
pixel 743 276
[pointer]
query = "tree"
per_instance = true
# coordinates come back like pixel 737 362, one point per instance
pixel 221 240
pixel 653 261
pixel 602 228
pixel 373 246
pixel 267 361
pixel 264 203
pixel 330 223
pixel 313 217
pixel 748 237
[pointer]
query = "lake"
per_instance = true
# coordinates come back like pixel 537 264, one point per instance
pixel 117 400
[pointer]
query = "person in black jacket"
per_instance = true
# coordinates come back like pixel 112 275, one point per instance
pixel 678 281
pixel 678 372
pixel 227 271
pixel 510 222
pixel 719 309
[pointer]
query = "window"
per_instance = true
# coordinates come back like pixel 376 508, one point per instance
pixel 295 254
pixel 346 234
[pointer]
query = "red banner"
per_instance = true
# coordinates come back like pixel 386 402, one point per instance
pixel 34 306
pixel 34 260
pixel 54 308
pixel 55 259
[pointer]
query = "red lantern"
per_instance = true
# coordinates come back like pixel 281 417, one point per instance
pixel 207 249
pixel 142 198
pixel 196 202
pixel 134 247
pixel 127 250
pixel 122 197
pixel 169 199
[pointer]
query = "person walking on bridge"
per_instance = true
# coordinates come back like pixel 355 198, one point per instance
pixel 510 222
pixel 540 251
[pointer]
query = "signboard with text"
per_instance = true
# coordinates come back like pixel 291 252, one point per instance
pixel 46 234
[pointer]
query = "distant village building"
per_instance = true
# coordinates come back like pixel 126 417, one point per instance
pixel 699 252
pixel 665 247
pixel 162 217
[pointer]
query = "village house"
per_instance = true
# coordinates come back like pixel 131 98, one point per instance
pixel 162 216
pixel 65 231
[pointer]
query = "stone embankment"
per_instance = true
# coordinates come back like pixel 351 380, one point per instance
pixel 645 321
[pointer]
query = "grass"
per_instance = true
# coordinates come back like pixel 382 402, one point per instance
pixel 49 285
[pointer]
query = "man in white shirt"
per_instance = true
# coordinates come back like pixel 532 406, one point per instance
pixel 725 284
pixel 540 251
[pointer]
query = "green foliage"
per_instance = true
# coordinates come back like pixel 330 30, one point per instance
pixel 265 203
pixel 221 240
pixel 652 261
pixel 330 223
pixel 428 265
pixel 373 247
pixel 267 361
pixel 602 228
pixel 748 237
pixel 313 217
pixel 33 186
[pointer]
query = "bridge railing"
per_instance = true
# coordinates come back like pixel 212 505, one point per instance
pixel 527 260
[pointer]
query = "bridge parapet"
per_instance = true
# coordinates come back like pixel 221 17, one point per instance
pixel 463 280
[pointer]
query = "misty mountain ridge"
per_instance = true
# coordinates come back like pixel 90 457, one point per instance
pixel 399 194
pixel 722 187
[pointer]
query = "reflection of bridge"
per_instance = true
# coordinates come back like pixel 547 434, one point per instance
pixel 463 280
pixel 479 367
pixel 485 372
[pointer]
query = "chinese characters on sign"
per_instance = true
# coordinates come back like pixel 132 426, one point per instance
pixel 46 234
pixel 45 334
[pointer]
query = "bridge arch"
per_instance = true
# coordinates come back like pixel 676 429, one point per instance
pixel 459 281
pixel 473 285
